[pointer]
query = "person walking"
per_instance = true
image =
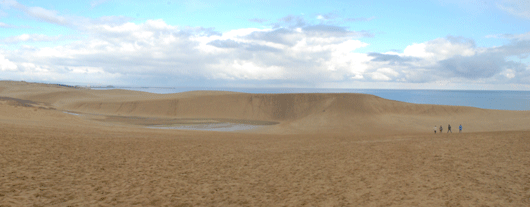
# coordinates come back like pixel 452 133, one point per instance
pixel 460 128
pixel 441 129
pixel 449 128
pixel 435 129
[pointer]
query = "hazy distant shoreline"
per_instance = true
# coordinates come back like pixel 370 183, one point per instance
pixel 486 99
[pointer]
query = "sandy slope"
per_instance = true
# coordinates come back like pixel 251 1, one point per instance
pixel 327 150
pixel 296 113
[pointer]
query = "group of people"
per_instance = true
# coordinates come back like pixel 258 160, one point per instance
pixel 448 128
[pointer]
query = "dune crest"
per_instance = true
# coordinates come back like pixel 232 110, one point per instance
pixel 296 113
pixel 318 149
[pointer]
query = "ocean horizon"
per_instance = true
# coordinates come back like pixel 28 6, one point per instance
pixel 486 99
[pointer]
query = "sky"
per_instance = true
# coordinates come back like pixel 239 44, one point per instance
pixel 428 44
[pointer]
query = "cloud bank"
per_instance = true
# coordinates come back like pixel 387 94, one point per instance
pixel 292 51
pixel 519 8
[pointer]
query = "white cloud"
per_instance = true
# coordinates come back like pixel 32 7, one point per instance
pixel 519 8
pixel 416 50
pixel 244 70
pixel 384 74
pixel 158 50
pixel 53 17
pixel 454 59
pixel 10 3
pixel 420 62
pixel 440 49
pixel 292 51
pixel 4 25
pixel 86 70
pixel 154 47
pixel 46 15
pixel 516 37
pixel 97 3
pixel 30 37
pixel 36 12
pixel 6 65
pixel 509 73
pixel 379 76
pixel 388 71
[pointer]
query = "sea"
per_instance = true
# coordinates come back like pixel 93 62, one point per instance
pixel 486 99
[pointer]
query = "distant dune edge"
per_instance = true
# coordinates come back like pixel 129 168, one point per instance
pixel 360 114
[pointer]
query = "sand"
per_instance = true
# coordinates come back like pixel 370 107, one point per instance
pixel 312 150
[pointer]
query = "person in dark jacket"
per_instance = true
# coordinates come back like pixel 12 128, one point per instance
pixel 441 129
pixel 449 128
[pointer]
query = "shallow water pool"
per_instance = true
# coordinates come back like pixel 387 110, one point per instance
pixel 223 126
pixel 67 112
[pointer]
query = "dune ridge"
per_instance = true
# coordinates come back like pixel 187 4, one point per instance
pixel 296 113
pixel 327 150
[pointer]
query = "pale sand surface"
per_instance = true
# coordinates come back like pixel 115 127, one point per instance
pixel 314 150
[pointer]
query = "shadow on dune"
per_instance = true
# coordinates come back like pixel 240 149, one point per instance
pixel 295 113
pixel 292 113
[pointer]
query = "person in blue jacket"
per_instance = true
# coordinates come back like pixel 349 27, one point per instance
pixel 460 128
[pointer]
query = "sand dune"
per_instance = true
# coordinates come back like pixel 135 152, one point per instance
pixel 296 113
pixel 326 150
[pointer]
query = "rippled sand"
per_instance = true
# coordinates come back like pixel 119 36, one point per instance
pixel 51 158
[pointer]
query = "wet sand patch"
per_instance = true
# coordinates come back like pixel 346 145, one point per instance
pixel 150 121
pixel 71 113
pixel 205 124
pixel 220 126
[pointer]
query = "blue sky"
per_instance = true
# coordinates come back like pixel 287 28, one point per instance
pixel 436 44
